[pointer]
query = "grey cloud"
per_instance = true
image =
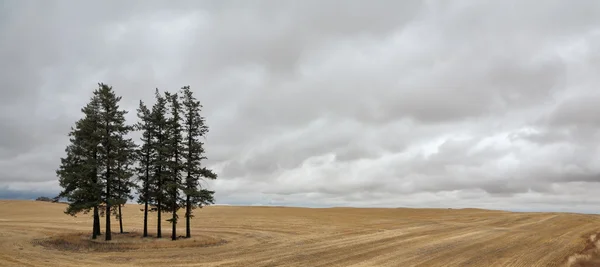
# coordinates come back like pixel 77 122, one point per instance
pixel 383 103
pixel 279 35
pixel 10 138
pixel 577 111
pixel 357 150
pixel 283 153
pixel 371 92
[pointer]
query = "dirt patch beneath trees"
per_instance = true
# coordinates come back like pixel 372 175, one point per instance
pixel 81 242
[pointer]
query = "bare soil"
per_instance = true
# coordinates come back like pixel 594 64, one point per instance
pixel 34 233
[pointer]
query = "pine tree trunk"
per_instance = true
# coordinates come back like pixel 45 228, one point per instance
pixel 188 203
pixel 96 215
pixel 96 227
pixel 94 232
pixel 159 197
pixel 120 220
pixel 97 221
pixel 108 235
pixel 176 181
pixel 188 233
pixel 174 219
pixel 159 208
pixel 158 230
pixel 146 218
pixel 119 207
pixel 147 194
pixel 174 222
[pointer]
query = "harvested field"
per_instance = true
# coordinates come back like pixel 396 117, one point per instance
pixel 39 234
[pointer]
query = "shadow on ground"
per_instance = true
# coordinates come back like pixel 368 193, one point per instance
pixel 80 242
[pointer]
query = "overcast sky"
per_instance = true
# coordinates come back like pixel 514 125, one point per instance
pixel 489 104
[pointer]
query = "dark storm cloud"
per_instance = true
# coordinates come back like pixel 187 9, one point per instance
pixel 414 103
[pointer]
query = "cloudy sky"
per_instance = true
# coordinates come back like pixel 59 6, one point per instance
pixel 466 103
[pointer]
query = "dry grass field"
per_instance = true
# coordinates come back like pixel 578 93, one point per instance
pixel 39 234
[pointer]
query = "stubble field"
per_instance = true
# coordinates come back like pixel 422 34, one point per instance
pixel 39 234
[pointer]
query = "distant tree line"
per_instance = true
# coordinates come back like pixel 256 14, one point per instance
pixel 46 199
pixel 103 167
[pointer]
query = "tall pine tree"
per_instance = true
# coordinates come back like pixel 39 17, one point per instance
pixel 175 164
pixel 78 171
pixel 194 128
pixel 159 144
pixel 145 156
pixel 112 131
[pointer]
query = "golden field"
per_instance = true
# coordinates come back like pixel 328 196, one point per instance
pixel 40 234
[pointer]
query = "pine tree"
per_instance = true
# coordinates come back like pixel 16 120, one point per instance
pixel 78 172
pixel 195 128
pixel 145 154
pixel 174 151
pixel 160 138
pixel 112 132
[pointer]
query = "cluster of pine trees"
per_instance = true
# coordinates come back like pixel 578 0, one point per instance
pixel 103 167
